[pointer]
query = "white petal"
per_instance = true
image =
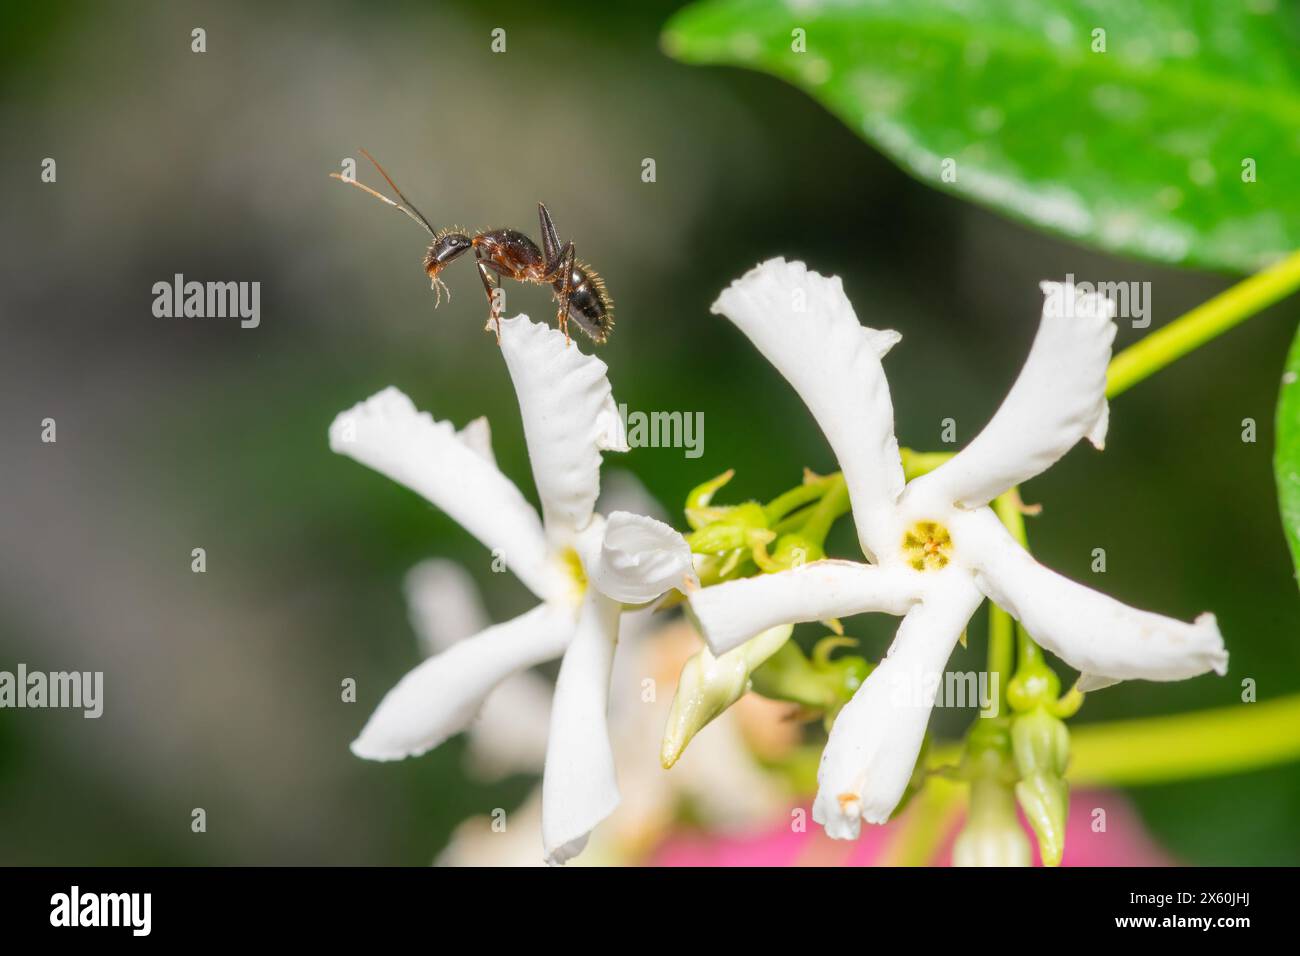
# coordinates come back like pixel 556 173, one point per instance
pixel 640 559
pixel 444 604
pixel 388 434
pixel 732 612
pixel 1106 640
pixel 569 419
pixel 441 696
pixel 1087 683
pixel 876 738
pixel 579 788
pixel 805 326
pixel 1058 398
pixel 477 436
pixel 509 734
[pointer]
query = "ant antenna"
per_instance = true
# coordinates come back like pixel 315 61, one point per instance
pixel 414 214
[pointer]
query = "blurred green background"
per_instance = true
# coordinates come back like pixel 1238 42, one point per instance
pixel 222 689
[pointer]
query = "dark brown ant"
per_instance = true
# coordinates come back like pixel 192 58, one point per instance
pixel 507 254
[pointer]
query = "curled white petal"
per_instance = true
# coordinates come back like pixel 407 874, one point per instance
pixel 640 559
pixel 1058 398
pixel 732 612
pixel 806 327
pixel 388 434
pixel 440 697
pixel 876 738
pixel 569 419
pixel 1106 640
pixel 579 788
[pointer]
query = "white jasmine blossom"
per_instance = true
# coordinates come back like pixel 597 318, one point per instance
pixel 727 787
pixel 936 548
pixel 444 604
pixel 582 567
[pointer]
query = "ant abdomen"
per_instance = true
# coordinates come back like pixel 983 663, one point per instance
pixel 589 303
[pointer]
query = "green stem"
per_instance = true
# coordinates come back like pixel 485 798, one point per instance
pixel 1203 323
pixel 834 504
pixel 1007 507
pixel 917 463
pixel 784 503
pixel 1151 750
pixel 1001 652
pixel 1201 744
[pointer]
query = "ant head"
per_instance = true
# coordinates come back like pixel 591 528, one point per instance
pixel 447 246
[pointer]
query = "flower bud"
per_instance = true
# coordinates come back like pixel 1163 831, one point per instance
pixel 709 685
pixel 1041 745
pixel 699 498
pixel 731 531
pixel 992 835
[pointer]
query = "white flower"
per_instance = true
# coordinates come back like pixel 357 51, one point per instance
pixel 444 604
pixel 569 418
pixel 937 549
pixel 725 785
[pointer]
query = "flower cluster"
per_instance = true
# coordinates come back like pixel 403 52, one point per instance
pixel 934 550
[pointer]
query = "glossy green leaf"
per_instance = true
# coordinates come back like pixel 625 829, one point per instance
pixel 1144 149
pixel 1286 461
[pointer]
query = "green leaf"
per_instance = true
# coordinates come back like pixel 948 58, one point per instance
pixel 1138 149
pixel 1286 460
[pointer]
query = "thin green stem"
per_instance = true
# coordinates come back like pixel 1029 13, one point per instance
pixel 1001 659
pixel 1188 746
pixel 1028 653
pixel 1203 323
pixel 783 504
pixel 1202 744
pixel 917 463
pixel 1009 510
pixel 833 505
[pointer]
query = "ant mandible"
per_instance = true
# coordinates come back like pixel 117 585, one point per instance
pixel 508 254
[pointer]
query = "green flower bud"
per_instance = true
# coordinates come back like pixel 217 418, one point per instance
pixel 731 531
pixel 992 835
pixel 1033 686
pixel 699 498
pixel 708 685
pixel 793 550
pixel 1041 744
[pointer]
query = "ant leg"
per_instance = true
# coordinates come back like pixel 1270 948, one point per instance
pixel 550 239
pixel 494 317
pixel 565 262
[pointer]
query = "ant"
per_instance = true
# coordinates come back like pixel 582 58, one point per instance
pixel 508 254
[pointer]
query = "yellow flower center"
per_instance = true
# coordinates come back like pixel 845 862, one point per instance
pixel 572 566
pixel 927 546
